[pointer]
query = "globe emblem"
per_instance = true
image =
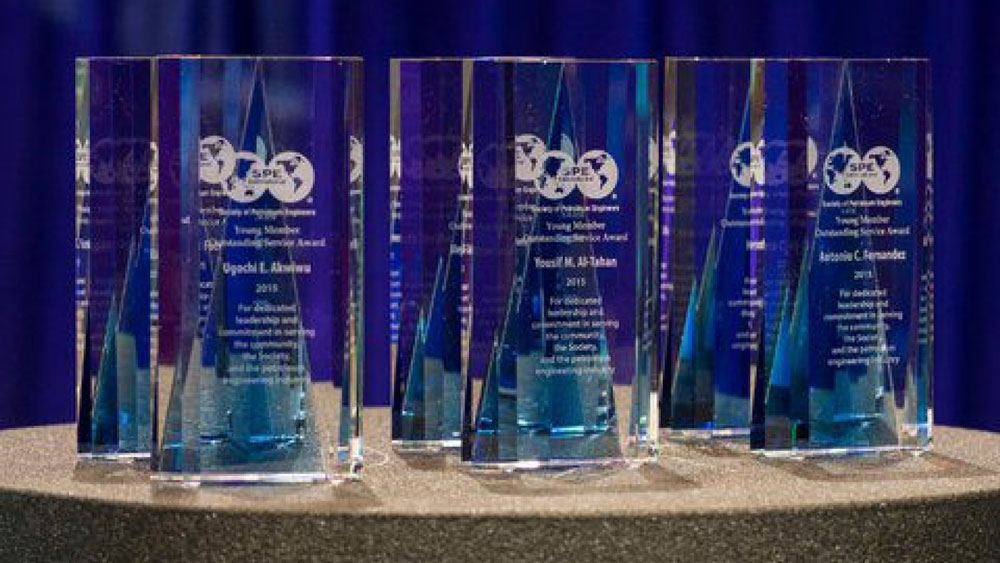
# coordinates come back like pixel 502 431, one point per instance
pixel 812 156
pixel 216 159
pixel 83 160
pixel 395 157
pixel 929 154
pixel 556 175
pixel 528 154
pixel 294 177
pixel 746 164
pixel 104 168
pixel 129 170
pixel 654 155
pixel 357 157
pixel 887 164
pixel 438 164
pixel 835 172
pixel 154 166
pixel 598 175
pixel 465 165
pixel 670 154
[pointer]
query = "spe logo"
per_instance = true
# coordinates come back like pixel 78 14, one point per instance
pixel 129 160
pixel 245 176
pixel 844 170
pixel 435 164
pixel 769 162
pixel 556 174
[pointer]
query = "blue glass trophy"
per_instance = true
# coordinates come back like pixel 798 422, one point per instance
pixel 261 250
pixel 562 357
pixel 430 249
pixel 715 190
pixel 115 175
pixel 847 361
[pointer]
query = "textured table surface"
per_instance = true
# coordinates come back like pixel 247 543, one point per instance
pixel 715 502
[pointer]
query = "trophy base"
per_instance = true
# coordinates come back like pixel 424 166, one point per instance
pixel 194 480
pixel 426 446
pixel 704 434
pixel 121 457
pixel 874 451
pixel 553 465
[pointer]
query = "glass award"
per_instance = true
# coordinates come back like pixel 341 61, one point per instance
pixel 115 175
pixel 430 166
pixel 712 247
pixel 565 184
pixel 847 359
pixel 260 248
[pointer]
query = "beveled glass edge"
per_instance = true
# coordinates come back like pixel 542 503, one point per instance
pixel 526 59
pixel 113 58
pixel 799 59
pixel 447 59
pixel 302 58
pixel 503 59
pixel 559 60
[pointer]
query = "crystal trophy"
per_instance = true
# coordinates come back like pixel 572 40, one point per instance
pixel 430 175
pixel 847 358
pixel 712 248
pixel 562 357
pixel 261 249
pixel 115 175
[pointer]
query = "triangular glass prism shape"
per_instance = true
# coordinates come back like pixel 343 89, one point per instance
pixel 848 354
pixel 432 400
pixel 738 277
pixel 113 229
pixel 104 414
pixel 714 216
pixel 548 396
pixel 241 409
pixel 693 391
pixel 115 410
pixel 413 418
pixel 850 403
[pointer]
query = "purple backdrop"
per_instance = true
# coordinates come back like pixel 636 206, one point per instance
pixel 38 41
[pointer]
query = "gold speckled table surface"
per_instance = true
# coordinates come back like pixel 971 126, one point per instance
pixel 708 502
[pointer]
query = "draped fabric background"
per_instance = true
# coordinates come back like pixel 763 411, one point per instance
pixel 40 38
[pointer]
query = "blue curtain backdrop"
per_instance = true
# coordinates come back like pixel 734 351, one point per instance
pixel 40 38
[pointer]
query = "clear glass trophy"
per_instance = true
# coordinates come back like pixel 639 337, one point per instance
pixel 260 246
pixel 430 176
pixel 847 359
pixel 115 175
pixel 712 247
pixel 562 356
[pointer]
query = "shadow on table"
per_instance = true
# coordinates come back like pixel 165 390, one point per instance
pixel 717 447
pixel 642 479
pixel 427 461
pixel 349 496
pixel 886 467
